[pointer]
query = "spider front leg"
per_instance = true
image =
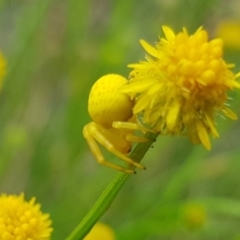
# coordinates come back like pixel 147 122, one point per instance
pixel 95 133
pixel 132 125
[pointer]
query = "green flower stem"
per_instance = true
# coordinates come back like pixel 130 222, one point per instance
pixel 109 194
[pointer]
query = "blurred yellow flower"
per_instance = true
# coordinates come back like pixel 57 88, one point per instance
pixel 22 220
pixel 101 231
pixel 229 31
pixel 194 215
pixel 182 85
pixel 2 68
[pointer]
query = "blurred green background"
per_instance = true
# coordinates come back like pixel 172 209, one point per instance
pixel 56 50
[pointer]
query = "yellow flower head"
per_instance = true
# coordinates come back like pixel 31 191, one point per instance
pixel 22 220
pixel 2 68
pixel 229 31
pixel 101 231
pixel 194 215
pixel 182 85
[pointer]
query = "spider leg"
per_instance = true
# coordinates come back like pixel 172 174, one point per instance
pixel 131 126
pixel 93 135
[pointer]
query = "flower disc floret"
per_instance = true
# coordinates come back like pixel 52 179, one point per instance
pixel 22 220
pixel 182 85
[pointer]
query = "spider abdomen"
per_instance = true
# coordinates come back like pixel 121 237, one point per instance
pixel 106 104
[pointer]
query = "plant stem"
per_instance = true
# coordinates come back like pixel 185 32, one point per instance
pixel 109 194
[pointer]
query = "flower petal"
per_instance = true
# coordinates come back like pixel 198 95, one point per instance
pixel 169 34
pixel 172 117
pixel 149 49
pixel 203 135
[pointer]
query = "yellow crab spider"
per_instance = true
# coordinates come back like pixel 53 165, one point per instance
pixel 113 122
